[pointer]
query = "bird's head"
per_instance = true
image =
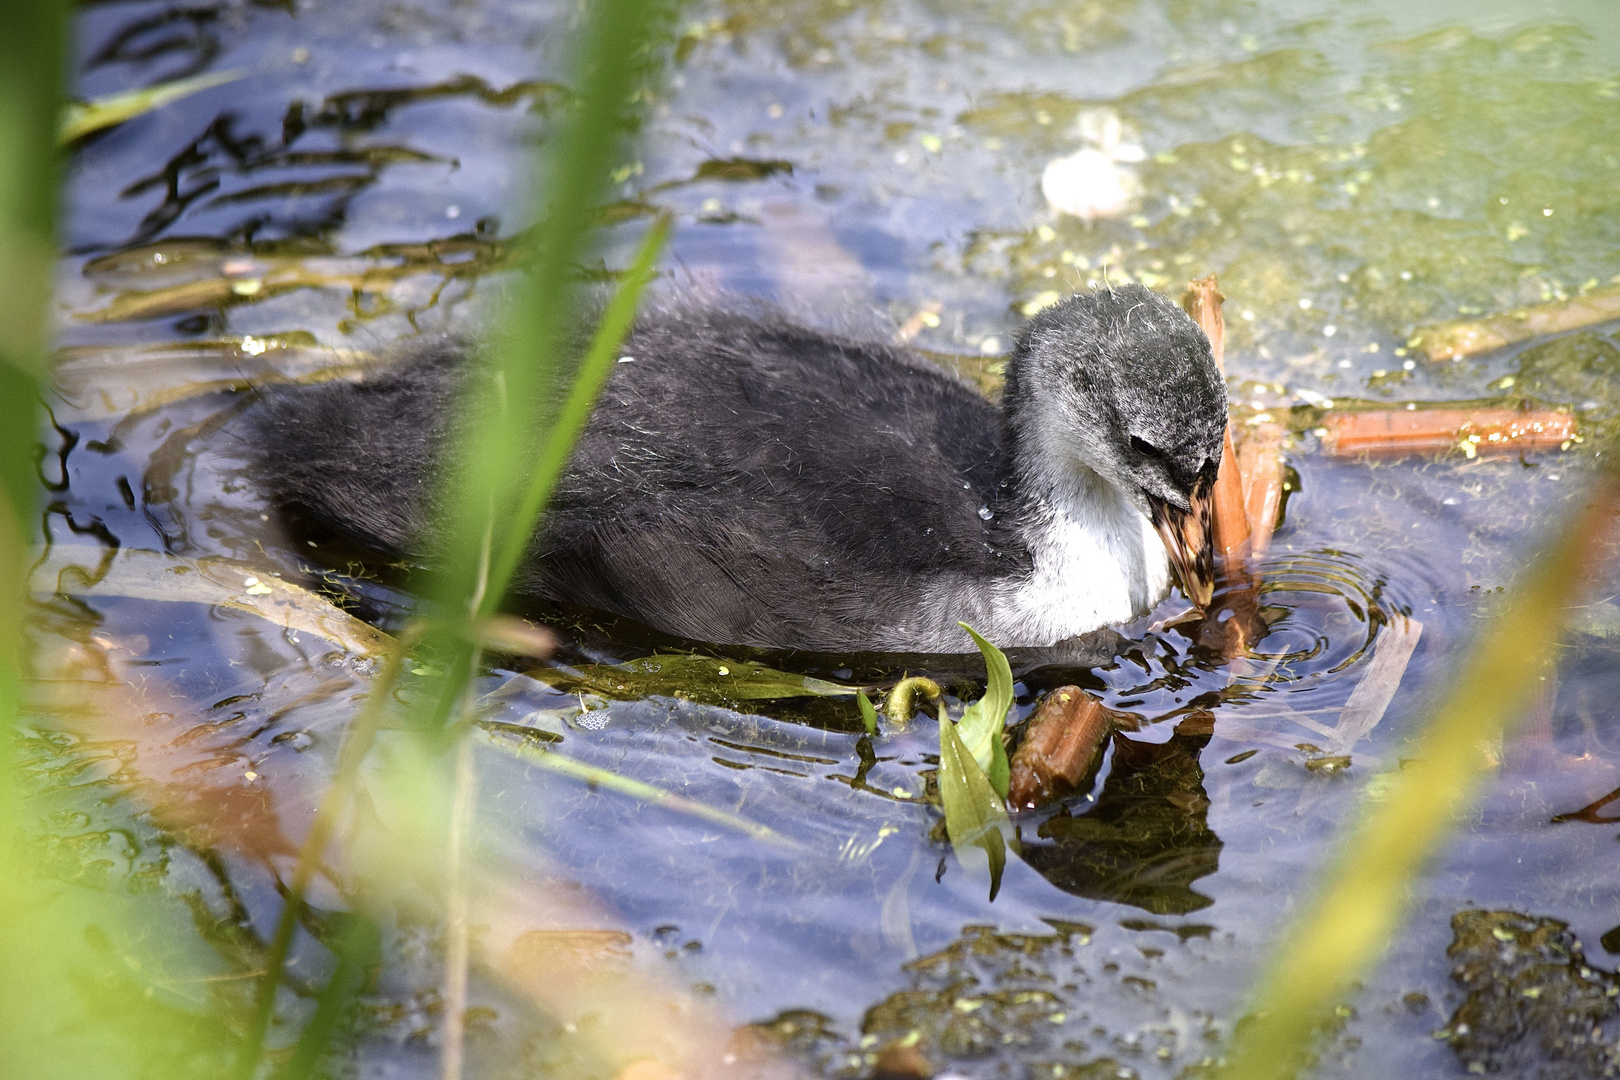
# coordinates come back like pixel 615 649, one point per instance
pixel 1122 383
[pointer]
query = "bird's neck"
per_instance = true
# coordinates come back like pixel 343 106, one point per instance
pixel 1091 559
pixel 1095 559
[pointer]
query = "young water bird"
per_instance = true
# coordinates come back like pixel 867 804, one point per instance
pixel 747 481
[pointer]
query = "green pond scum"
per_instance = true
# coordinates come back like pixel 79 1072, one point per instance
pixel 275 810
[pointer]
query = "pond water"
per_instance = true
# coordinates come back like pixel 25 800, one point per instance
pixel 1353 171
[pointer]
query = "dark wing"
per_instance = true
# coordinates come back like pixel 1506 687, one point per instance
pixel 742 480
pixel 747 480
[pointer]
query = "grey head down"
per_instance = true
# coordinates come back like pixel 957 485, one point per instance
pixel 746 480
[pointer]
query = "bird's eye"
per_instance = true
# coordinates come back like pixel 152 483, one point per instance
pixel 1145 448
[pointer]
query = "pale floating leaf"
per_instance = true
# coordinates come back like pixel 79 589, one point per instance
pixel 76 570
pixel 1368 702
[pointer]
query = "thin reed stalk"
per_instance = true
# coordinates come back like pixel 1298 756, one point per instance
pixel 32 49
pixel 357 743
pixel 452 1044
pixel 512 450
pixel 503 436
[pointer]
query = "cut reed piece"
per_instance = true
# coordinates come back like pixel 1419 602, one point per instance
pixel 1455 340
pixel 1261 466
pixel 1397 433
pixel 1238 535
pixel 1068 727
pixel 1230 523
pixel 1230 517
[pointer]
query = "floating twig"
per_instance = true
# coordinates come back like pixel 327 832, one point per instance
pixel 1393 433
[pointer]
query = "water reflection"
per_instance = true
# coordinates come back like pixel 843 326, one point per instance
pixel 1147 838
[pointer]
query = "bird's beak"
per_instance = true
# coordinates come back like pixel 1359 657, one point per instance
pixel 1188 538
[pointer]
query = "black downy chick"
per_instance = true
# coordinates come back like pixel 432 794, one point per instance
pixel 745 480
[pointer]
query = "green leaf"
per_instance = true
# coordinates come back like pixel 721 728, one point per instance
pixel 868 712
pixel 981 725
pixel 80 118
pixel 693 677
pixel 974 814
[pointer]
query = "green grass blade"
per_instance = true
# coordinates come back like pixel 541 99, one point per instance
pixel 974 815
pixel 42 925
pixel 32 50
pixel 565 430
pixel 983 721
pixel 80 118
pixel 359 948
pixel 635 789
pixel 504 435
pixel 1363 894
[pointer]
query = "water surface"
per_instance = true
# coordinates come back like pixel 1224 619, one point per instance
pixel 1354 172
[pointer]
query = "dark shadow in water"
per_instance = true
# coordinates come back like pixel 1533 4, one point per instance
pixel 308 190
pixel 1147 839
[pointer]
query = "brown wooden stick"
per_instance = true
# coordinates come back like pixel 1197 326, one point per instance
pixel 1063 736
pixel 1230 524
pixel 1394 433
